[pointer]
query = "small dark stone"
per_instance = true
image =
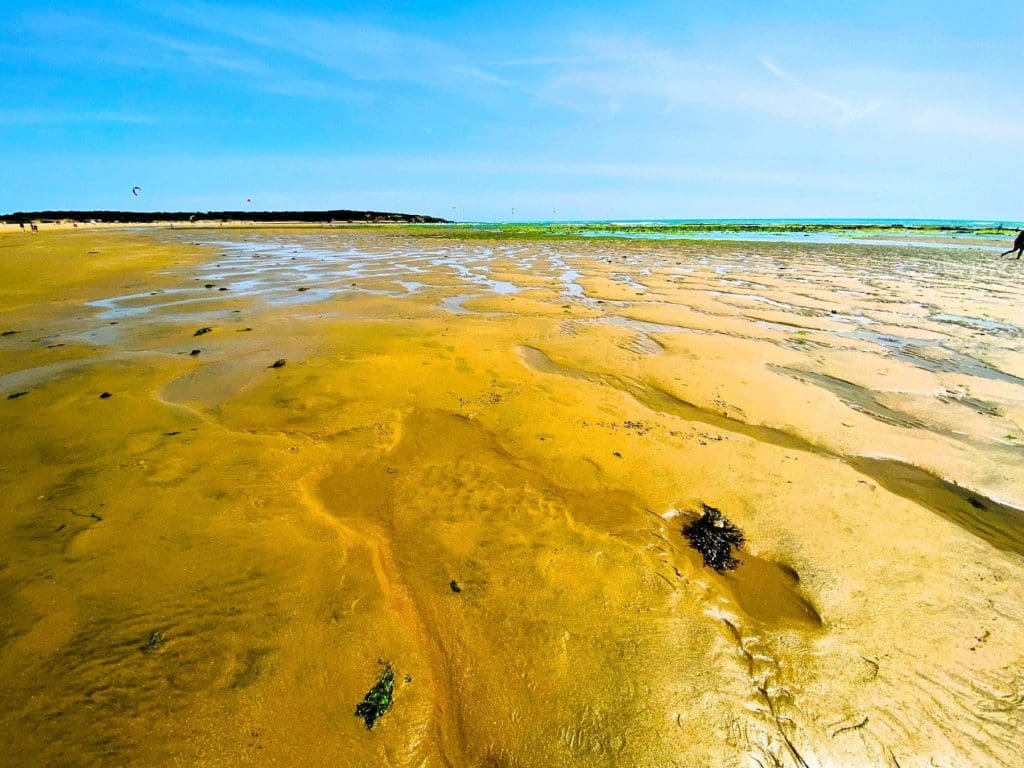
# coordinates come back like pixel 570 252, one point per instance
pixel 210 285
pixel 105 395
pixel 616 454
pixel 222 288
pixel 195 352
pixel 455 586
pixel 8 333
pixel 302 289
pixel 279 363
pixel 201 331
pixel 975 503
pixel 16 395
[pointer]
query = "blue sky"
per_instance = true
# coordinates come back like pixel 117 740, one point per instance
pixel 526 111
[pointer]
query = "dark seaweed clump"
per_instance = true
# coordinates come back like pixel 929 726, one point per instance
pixel 153 644
pixel 714 537
pixel 378 699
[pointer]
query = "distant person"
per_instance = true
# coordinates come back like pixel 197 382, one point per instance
pixel 1018 245
pixel 22 225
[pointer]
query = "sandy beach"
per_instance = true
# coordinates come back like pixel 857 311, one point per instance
pixel 244 469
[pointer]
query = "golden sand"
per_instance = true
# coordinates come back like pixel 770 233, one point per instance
pixel 534 421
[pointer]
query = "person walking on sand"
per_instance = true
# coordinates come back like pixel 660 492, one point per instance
pixel 1018 245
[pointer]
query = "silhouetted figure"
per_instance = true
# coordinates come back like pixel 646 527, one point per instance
pixel 34 227
pixel 1018 245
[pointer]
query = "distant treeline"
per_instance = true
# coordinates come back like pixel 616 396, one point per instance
pixel 140 217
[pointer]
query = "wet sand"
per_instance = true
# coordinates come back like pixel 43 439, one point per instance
pixel 208 566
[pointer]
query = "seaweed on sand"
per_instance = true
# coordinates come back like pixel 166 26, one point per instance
pixel 714 537
pixel 153 644
pixel 378 699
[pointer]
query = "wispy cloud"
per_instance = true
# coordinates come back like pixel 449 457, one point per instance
pixel 208 56
pixel 547 61
pixel 98 40
pixel 616 75
pixel 847 111
pixel 950 121
pixel 539 168
pixel 357 49
pixel 612 74
pixel 57 117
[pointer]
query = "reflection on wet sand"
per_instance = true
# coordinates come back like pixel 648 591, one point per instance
pixel 476 466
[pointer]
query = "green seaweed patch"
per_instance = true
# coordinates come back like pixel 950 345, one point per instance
pixel 689 229
pixel 378 699
pixel 714 537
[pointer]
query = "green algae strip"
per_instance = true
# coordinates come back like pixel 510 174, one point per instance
pixel 611 229
pixel 378 699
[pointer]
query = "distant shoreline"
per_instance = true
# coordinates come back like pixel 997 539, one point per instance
pixel 926 233
pixel 165 217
